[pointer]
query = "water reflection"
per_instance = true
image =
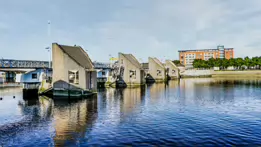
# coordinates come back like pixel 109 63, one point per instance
pixel 118 104
pixel 70 120
pixel 182 112
pixel 32 115
pixel 73 120
pixel 131 99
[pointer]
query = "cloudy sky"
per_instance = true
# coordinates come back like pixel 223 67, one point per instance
pixel 144 28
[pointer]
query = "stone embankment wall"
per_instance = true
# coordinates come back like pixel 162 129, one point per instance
pixel 212 73
pixel 196 73
pixel 247 73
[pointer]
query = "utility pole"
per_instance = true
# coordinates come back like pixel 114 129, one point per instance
pixel 2 62
pixel 49 50
pixel 110 58
pixel 49 43
pixel 4 78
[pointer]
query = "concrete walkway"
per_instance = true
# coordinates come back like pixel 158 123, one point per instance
pixel 4 85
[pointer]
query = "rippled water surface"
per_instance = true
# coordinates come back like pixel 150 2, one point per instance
pixel 189 112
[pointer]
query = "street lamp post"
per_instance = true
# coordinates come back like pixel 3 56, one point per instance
pixel 2 62
pixel 110 60
pixel 4 78
pixel 49 47
pixel 49 50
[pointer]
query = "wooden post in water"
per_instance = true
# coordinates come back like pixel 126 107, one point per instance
pixel 69 87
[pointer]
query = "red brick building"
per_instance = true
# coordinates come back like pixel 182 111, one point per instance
pixel 186 57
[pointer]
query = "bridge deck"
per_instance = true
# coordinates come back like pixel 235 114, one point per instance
pixel 19 64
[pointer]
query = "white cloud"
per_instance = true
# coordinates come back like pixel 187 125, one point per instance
pixel 145 28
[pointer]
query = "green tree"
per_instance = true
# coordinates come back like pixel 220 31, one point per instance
pixel 239 62
pixel 259 62
pixel 204 64
pixel 211 62
pixel 230 62
pixel 247 62
pixel 197 63
pixel 176 62
pixel 218 63
pixel 225 63
pixel 255 62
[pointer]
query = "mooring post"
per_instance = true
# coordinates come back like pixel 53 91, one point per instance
pixel 69 94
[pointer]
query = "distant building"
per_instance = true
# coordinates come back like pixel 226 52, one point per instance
pixel 2 77
pixel 186 57
pixel 33 79
pixel 145 66
pixel 104 72
pixel 103 77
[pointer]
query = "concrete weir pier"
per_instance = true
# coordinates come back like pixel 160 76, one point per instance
pixel 156 72
pixel 172 71
pixel 131 73
pixel 73 72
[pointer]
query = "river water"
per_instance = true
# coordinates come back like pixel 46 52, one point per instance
pixel 189 112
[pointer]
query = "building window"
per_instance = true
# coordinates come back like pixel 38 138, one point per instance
pixel 34 76
pixel 121 61
pixel 73 77
pixel 103 73
pixel 133 74
pixel 159 73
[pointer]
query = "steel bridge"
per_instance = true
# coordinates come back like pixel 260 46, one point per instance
pixel 9 63
pixel 101 65
pixel 30 64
